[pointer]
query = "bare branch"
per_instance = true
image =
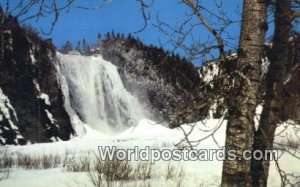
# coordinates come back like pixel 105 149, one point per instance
pixel 196 11
pixel 146 17
pixel 96 7
pixel 56 14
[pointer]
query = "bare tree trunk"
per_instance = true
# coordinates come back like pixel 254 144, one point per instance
pixel 243 101
pixel 272 110
pixel 2 17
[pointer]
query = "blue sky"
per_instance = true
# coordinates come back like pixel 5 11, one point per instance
pixel 124 16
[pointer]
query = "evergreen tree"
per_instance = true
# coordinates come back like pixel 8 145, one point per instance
pixel 78 47
pixel 113 34
pixel 67 47
pixel 85 47
pixel 99 43
pixel 129 36
pixel 108 35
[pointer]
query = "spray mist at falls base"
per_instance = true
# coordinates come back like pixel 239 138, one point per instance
pixel 95 95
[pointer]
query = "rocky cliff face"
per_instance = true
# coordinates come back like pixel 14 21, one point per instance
pixel 31 102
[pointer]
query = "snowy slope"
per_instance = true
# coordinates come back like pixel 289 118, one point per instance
pixel 146 133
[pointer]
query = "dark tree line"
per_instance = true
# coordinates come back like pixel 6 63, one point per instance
pixel 85 48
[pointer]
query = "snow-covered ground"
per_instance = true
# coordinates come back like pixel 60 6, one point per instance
pixel 146 133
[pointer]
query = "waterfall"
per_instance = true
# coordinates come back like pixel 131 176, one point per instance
pixel 95 95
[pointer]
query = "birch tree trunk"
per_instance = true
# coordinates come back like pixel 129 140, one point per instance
pixel 243 101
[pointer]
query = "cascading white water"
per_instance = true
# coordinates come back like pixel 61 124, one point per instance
pixel 95 95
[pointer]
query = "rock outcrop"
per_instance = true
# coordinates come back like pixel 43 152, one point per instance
pixel 31 102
